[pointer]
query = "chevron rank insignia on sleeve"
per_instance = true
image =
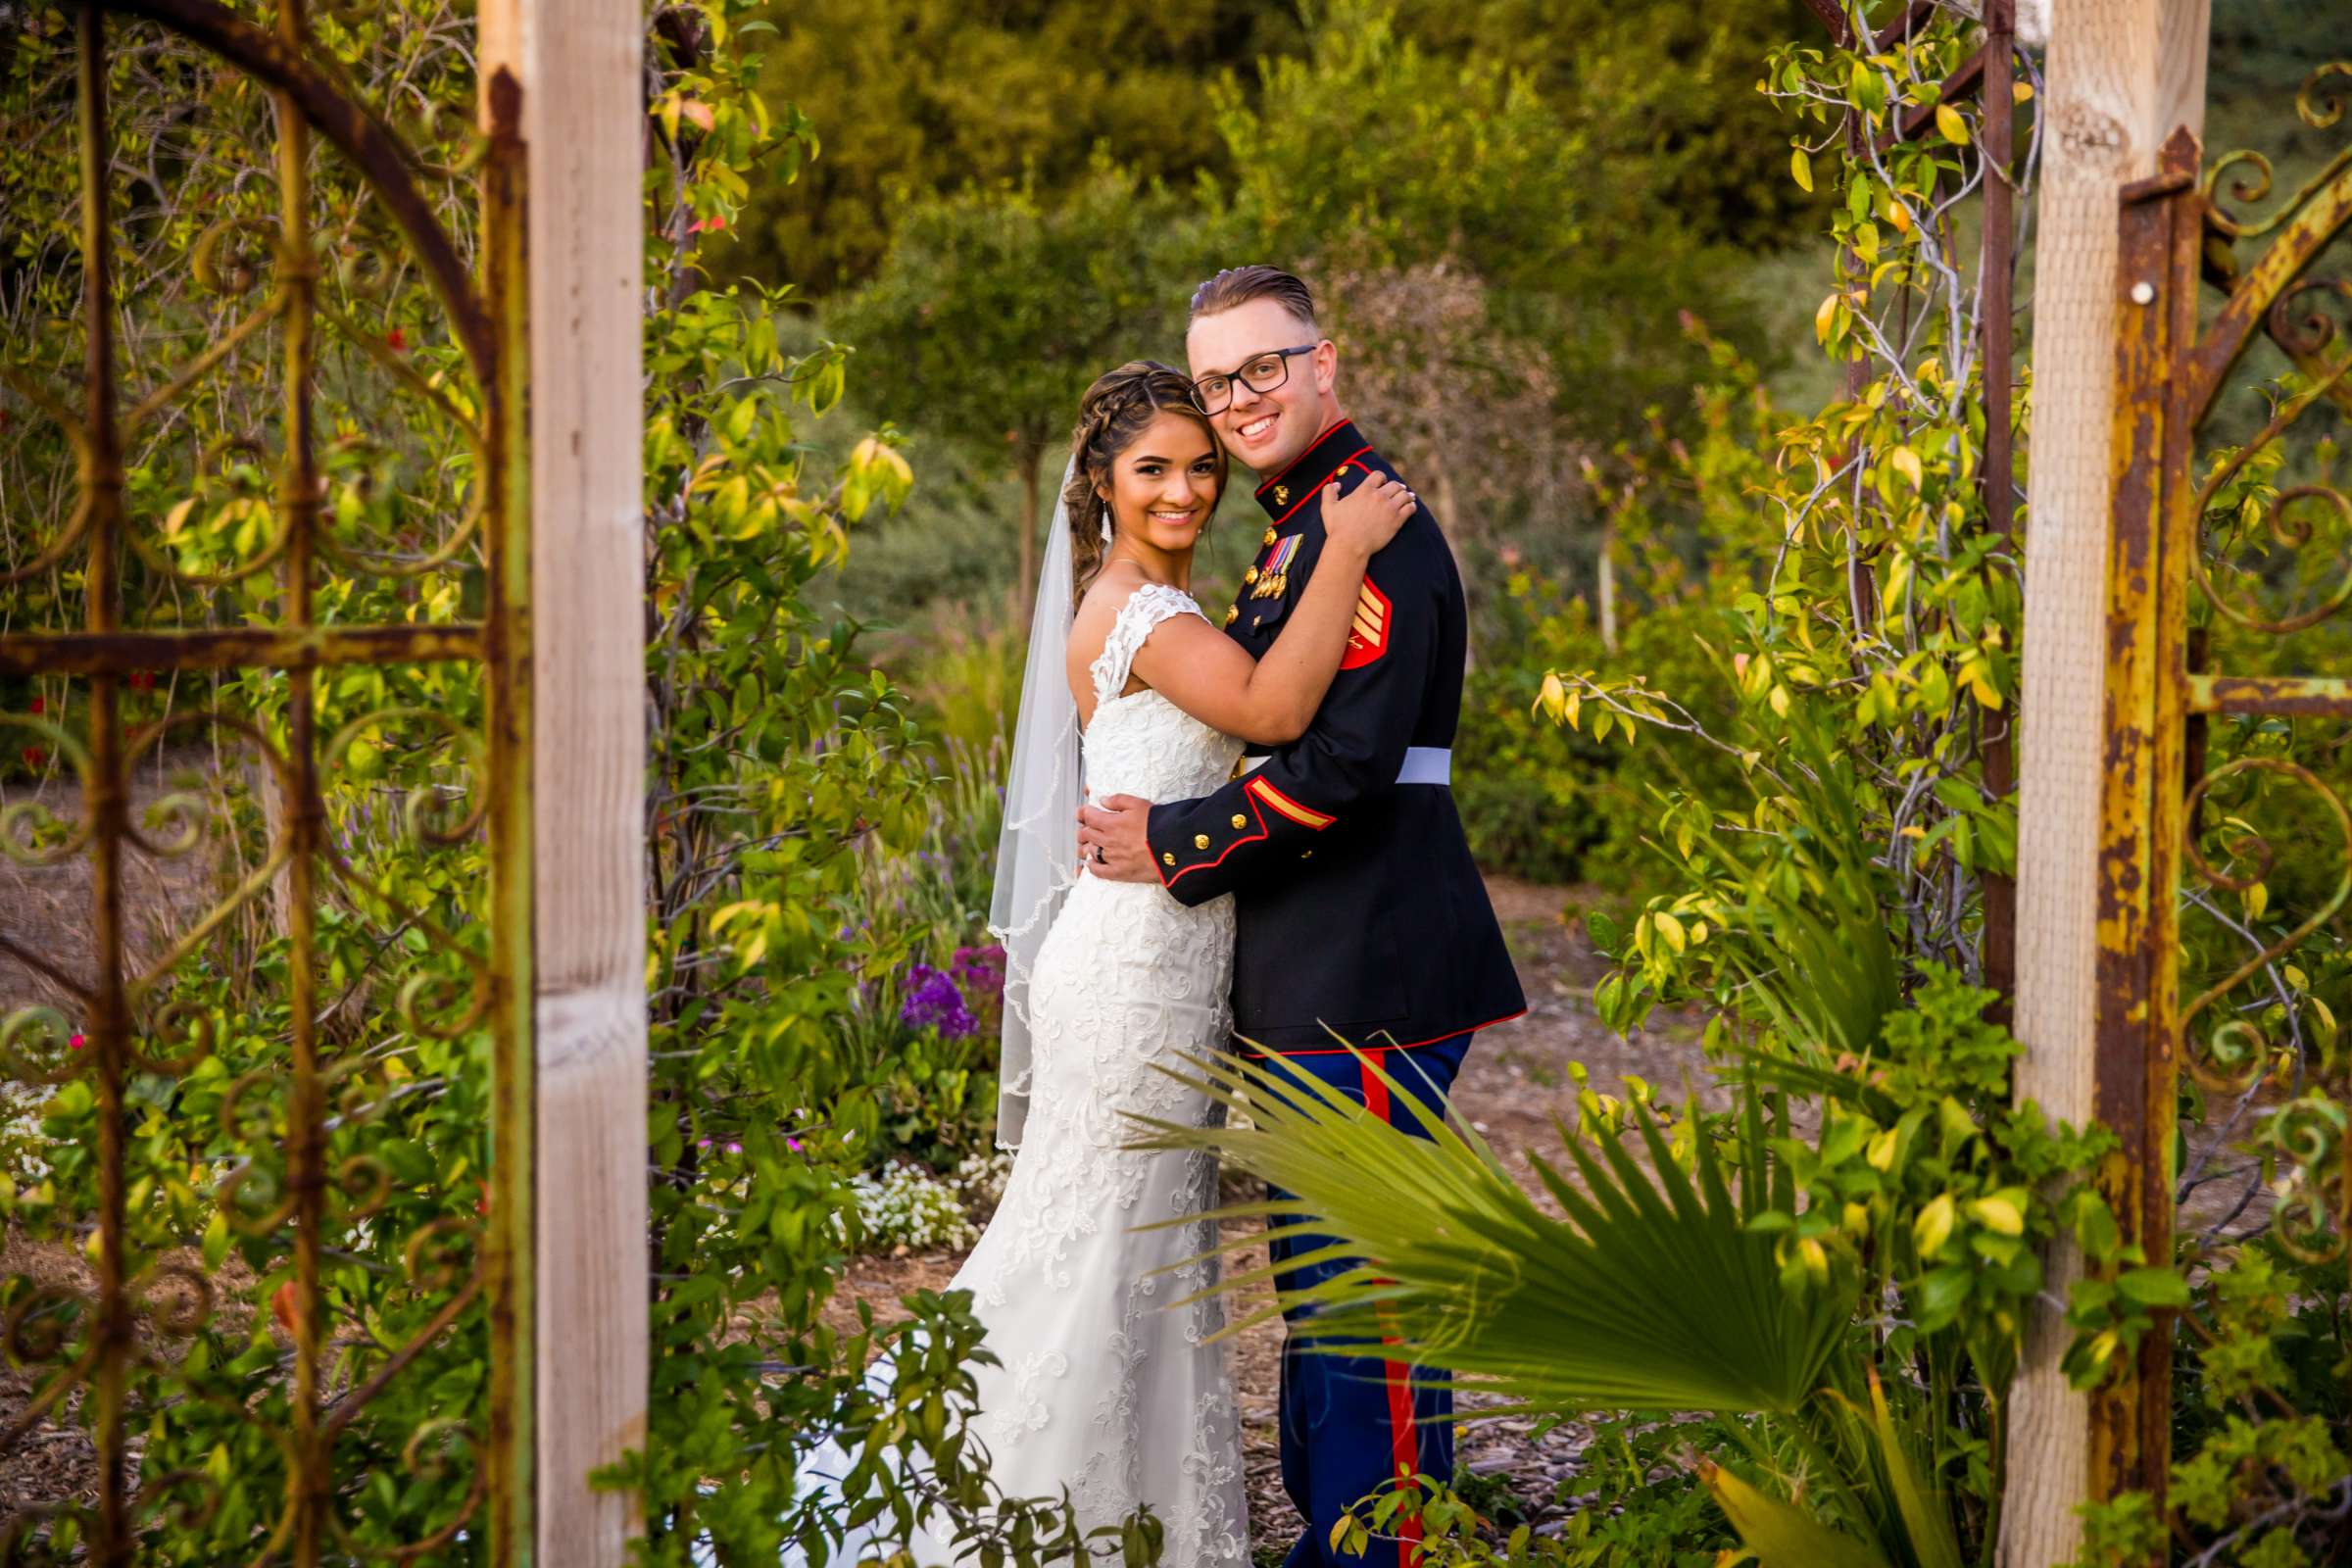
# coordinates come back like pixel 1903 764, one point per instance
pixel 1368 638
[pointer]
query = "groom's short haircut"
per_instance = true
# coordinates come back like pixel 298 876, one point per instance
pixel 1238 285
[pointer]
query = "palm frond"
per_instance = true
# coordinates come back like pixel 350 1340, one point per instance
pixel 1650 1295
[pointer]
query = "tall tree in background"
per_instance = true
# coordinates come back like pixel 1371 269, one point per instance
pixel 1662 95
pixel 918 98
pixel 1507 297
pixel 994 311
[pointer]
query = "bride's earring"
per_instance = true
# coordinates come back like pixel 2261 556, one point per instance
pixel 1107 524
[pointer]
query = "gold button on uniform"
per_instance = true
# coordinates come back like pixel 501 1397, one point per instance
pixel 1200 841
pixel 1270 537
pixel 1239 820
pixel 1233 612
pixel 1250 575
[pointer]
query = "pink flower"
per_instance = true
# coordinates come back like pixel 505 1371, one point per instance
pixel 76 1044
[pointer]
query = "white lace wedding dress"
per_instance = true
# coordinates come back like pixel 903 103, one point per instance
pixel 1103 1385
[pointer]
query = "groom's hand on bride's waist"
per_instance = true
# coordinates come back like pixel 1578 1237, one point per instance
pixel 1112 841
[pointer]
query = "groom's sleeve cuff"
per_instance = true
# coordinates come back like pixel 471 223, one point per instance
pixel 1191 840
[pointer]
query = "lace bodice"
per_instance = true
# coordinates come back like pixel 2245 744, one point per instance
pixel 1141 744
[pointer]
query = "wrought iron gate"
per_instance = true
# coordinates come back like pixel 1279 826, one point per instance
pixel 109 1345
pixel 2223 507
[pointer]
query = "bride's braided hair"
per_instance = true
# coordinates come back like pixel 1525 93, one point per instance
pixel 1117 409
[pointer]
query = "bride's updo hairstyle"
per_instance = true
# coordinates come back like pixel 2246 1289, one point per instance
pixel 1115 411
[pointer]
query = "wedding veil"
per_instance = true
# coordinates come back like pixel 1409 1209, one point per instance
pixel 1036 853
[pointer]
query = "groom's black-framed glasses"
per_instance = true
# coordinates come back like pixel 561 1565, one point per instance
pixel 1213 394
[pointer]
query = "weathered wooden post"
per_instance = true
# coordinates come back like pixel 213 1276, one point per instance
pixel 576 68
pixel 2122 75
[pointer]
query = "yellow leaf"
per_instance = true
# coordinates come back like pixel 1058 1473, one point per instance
pixel 178 516
pixel 1899 215
pixel 1554 698
pixel 1880 1151
pixel 1999 1212
pixel 2258 899
pixel 1906 462
pixel 2020 91
pixel 1954 128
pixel 1671 929
pixel 1934 1226
pixel 1800 168
pixel 1823 317
pixel 1779 701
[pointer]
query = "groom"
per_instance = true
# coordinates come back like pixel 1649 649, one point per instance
pixel 1359 913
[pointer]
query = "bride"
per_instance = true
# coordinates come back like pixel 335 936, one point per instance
pixel 1100 1385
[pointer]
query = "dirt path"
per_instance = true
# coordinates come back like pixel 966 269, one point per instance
pixel 1513 1085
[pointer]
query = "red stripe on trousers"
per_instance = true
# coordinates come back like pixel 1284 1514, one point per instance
pixel 1404 1444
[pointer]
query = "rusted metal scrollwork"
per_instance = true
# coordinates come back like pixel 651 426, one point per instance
pixel 105 1350
pixel 2229 574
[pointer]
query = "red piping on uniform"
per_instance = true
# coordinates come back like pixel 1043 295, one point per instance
pixel 1301 457
pixel 1311 494
pixel 1168 879
pixel 1334 1051
pixel 1404 1442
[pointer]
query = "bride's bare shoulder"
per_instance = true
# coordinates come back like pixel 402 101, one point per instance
pixel 1098 611
pixel 1105 598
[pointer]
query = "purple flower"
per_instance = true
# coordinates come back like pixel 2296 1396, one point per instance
pixel 933 1002
pixel 980 972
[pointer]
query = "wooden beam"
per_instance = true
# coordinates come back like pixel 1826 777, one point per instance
pixel 2117 83
pixel 578 64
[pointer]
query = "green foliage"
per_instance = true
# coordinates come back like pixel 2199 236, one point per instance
pixel 994 312
pixel 1867 1279
pixel 1458 159
pixel 918 98
pixel 781 769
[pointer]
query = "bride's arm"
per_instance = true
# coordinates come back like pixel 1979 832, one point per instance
pixel 1272 700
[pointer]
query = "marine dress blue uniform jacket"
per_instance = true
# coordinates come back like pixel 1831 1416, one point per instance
pixel 1358 910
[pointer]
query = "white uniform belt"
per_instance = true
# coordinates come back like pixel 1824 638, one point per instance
pixel 1423 765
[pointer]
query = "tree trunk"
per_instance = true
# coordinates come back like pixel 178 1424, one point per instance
pixel 1605 574
pixel 2121 74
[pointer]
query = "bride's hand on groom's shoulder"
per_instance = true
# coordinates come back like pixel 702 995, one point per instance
pixel 1113 842
pixel 1366 517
